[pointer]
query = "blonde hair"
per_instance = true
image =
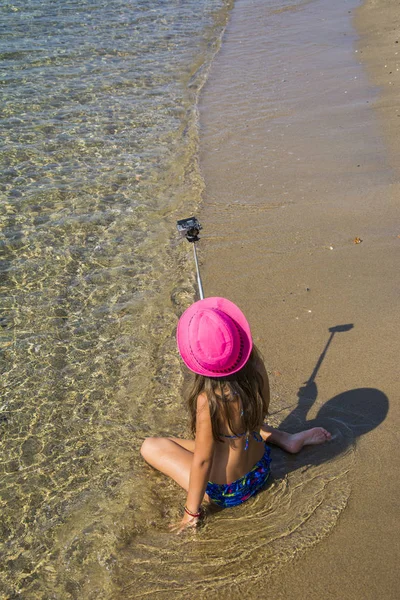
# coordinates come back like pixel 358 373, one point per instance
pixel 248 384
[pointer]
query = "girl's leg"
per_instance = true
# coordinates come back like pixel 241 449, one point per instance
pixel 294 442
pixel 171 456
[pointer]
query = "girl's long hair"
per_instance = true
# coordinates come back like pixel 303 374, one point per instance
pixel 248 384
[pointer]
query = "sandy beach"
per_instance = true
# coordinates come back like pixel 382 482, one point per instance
pixel 300 154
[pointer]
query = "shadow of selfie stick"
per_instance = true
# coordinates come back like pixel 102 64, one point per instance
pixel 333 330
pixel 308 392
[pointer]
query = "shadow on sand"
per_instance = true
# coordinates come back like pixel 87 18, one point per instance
pixel 347 416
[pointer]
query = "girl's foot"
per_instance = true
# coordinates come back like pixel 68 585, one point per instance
pixel 310 437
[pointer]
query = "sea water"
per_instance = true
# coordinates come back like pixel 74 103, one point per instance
pixel 98 159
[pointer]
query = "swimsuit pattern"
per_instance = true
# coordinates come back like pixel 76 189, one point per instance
pixel 231 494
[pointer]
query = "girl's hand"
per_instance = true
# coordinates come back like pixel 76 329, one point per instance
pixel 187 522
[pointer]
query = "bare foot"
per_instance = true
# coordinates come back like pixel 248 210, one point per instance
pixel 309 437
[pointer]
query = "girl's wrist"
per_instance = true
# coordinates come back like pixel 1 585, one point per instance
pixel 191 513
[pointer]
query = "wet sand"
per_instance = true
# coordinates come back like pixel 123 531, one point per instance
pixel 299 151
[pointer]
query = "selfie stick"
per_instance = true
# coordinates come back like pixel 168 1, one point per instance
pixel 189 228
pixel 198 272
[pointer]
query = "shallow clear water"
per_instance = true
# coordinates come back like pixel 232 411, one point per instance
pixel 97 161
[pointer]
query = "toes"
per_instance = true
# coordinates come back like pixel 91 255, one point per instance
pixel 326 434
pixel 321 435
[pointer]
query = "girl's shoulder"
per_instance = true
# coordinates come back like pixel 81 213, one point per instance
pixel 204 428
pixel 202 406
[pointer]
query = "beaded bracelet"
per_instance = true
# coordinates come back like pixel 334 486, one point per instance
pixel 187 511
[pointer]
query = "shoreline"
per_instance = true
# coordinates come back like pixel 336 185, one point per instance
pixel 280 241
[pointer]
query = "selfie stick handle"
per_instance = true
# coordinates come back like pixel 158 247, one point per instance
pixel 198 273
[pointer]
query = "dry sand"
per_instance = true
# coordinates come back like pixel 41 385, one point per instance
pixel 300 153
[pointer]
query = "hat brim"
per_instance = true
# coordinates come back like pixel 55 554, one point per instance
pixel 234 312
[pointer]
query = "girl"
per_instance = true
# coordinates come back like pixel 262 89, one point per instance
pixel 228 461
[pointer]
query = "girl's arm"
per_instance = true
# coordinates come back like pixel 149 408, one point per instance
pixel 203 455
pixel 202 461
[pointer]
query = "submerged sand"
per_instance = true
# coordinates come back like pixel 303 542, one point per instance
pixel 299 130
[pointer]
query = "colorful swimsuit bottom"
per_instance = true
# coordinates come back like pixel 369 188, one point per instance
pixel 232 494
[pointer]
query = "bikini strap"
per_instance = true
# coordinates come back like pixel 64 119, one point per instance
pixel 233 437
pixel 255 435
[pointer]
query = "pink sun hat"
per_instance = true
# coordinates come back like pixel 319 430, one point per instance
pixel 214 337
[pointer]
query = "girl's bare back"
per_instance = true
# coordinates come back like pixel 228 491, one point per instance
pixel 231 461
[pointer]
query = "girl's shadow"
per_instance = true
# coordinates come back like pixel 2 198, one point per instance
pixel 347 416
